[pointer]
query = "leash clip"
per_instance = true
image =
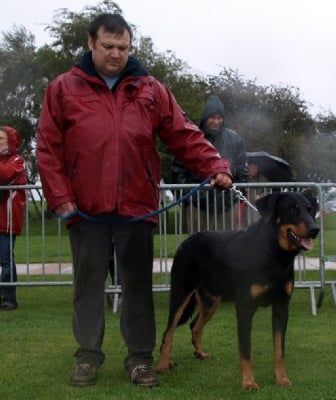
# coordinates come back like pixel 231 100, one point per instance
pixel 243 198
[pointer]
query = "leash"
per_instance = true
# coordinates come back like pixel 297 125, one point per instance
pixel 108 220
pixel 243 198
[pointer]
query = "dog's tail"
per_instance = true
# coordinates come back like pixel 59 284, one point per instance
pixel 182 306
pixel 184 283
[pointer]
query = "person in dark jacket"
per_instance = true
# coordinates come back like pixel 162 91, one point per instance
pixel 97 153
pixel 231 147
pixel 12 206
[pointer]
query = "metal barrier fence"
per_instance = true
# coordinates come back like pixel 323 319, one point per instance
pixel 43 255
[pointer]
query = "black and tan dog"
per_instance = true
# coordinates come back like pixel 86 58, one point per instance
pixel 252 268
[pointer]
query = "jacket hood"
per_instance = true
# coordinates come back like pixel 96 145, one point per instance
pixel 133 68
pixel 14 139
pixel 212 106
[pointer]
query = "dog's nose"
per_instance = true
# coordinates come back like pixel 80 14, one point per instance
pixel 314 232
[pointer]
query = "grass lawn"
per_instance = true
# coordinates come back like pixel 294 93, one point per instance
pixel 37 347
pixel 37 343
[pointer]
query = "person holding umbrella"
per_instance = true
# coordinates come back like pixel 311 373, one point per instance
pixel 255 177
pixel 273 168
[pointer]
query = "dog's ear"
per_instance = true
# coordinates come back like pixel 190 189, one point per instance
pixel 266 204
pixel 309 194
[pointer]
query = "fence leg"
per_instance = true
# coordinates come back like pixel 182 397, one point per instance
pixel 115 302
pixel 333 289
pixel 313 300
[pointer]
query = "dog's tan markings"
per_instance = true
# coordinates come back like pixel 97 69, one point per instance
pixel 281 378
pixel 284 243
pixel 204 316
pixel 165 363
pixel 258 290
pixel 247 377
pixel 299 230
pixel 289 287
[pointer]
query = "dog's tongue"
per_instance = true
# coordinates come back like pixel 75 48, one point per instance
pixel 306 243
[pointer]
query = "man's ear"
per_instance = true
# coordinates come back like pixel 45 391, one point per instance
pixel 90 43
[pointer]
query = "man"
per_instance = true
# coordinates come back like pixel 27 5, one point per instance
pixel 97 153
pixel 231 147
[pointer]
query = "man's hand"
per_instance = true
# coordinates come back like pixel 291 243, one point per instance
pixel 222 181
pixel 66 209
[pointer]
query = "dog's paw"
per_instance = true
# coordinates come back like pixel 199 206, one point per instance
pixel 201 355
pixel 165 366
pixel 283 380
pixel 249 384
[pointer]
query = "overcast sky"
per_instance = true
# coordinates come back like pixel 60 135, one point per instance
pixel 288 42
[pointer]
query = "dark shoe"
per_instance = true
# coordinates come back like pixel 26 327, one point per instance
pixel 8 306
pixel 143 375
pixel 84 375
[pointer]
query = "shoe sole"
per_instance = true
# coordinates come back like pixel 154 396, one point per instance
pixel 8 308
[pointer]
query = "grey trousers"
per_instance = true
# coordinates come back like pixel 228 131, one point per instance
pixel 91 249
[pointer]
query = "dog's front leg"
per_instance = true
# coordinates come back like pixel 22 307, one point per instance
pixel 244 322
pixel 279 325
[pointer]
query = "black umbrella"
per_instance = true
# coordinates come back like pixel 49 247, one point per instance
pixel 274 168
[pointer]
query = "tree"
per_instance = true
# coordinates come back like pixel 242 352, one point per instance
pixel 18 73
pixel 321 155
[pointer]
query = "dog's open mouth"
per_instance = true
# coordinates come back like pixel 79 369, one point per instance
pixel 302 243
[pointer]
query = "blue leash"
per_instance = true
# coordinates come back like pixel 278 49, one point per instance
pixel 106 220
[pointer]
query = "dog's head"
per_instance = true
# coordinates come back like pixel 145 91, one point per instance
pixel 293 215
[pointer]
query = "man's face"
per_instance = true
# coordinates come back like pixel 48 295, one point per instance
pixel 214 122
pixel 110 52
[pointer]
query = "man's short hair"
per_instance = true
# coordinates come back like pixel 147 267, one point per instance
pixel 113 23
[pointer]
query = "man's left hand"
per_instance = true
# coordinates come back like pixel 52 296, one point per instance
pixel 222 181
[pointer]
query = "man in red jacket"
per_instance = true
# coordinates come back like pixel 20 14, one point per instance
pixel 12 205
pixel 97 153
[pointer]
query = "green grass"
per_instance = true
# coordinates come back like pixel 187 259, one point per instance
pixel 37 347
pixel 37 343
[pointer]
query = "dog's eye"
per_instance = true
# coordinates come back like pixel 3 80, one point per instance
pixel 295 210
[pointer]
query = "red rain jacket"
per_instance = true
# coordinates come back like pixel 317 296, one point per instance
pixel 97 147
pixel 12 172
